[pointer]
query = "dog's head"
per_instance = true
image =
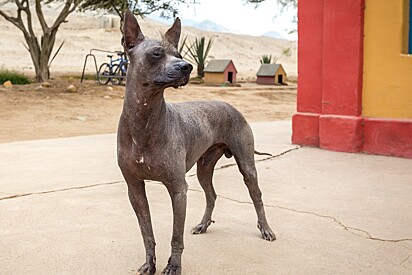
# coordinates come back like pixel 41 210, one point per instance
pixel 157 64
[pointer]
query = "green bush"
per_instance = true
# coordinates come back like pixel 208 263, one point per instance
pixel 14 77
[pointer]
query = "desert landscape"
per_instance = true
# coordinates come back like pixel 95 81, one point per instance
pixel 89 30
pixel 36 111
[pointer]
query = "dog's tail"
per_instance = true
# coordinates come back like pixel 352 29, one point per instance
pixel 263 154
pixel 229 154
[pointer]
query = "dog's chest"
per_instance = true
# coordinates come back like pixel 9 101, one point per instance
pixel 149 163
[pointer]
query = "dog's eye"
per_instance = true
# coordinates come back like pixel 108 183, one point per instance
pixel 157 54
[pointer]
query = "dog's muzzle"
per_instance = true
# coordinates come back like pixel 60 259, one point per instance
pixel 183 67
pixel 180 73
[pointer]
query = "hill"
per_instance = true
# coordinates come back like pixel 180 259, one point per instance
pixel 208 25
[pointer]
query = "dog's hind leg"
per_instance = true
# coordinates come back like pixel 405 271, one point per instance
pixel 243 151
pixel 205 168
pixel 248 170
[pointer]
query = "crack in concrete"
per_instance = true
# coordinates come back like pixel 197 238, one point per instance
pixel 264 159
pixel 59 190
pixel 345 227
pixel 259 160
pixel 405 260
pixel 407 247
pixel 122 181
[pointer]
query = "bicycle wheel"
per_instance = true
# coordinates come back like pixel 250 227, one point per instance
pixel 104 73
pixel 117 73
pixel 119 70
pixel 124 71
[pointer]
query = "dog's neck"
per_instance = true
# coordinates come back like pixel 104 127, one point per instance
pixel 144 105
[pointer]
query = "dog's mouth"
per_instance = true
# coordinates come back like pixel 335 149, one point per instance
pixel 173 81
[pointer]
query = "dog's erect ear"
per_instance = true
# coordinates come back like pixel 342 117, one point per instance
pixel 173 34
pixel 132 35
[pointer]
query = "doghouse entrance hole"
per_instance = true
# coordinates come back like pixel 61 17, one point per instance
pixel 280 79
pixel 230 77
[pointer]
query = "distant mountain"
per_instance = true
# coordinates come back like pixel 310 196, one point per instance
pixel 208 25
pixel 273 34
pixel 205 25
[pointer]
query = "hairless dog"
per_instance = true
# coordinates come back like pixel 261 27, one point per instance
pixel 161 141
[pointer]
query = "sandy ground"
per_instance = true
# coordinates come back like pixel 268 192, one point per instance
pixel 28 112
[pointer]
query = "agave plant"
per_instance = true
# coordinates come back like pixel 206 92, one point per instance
pixel 198 52
pixel 268 59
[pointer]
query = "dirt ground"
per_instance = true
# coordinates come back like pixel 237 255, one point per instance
pixel 29 112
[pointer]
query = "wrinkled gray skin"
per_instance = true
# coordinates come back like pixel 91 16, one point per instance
pixel 161 141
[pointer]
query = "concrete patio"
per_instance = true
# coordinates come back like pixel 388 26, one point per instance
pixel 64 210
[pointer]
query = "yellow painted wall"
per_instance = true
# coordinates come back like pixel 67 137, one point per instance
pixel 280 71
pixel 387 79
pixel 214 78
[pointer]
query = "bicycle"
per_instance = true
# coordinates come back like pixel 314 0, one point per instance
pixel 114 71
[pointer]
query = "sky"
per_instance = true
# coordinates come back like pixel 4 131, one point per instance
pixel 243 18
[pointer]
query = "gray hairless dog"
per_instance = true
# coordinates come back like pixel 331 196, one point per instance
pixel 161 141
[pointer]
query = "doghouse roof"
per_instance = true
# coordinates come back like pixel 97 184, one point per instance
pixel 268 69
pixel 218 65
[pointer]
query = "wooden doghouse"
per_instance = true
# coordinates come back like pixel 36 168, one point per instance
pixel 271 74
pixel 220 71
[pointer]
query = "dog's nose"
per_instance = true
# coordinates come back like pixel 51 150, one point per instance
pixel 183 66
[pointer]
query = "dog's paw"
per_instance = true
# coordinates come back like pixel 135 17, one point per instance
pixel 147 269
pixel 201 227
pixel 171 269
pixel 267 233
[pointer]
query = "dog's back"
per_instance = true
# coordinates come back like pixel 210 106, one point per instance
pixel 203 124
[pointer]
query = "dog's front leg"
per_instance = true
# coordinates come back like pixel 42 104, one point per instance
pixel 178 194
pixel 138 199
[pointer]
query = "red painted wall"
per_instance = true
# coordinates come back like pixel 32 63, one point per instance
pixel 329 103
pixel 310 56
pixel 388 137
pixel 305 129
pixel 342 65
pixel 342 57
pixel 330 74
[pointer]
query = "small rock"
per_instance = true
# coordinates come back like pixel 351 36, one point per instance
pixel 38 88
pixel 109 89
pixel 81 118
pixel 107 96
pixel 8 84
pixel 71 89
pixel 46 85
